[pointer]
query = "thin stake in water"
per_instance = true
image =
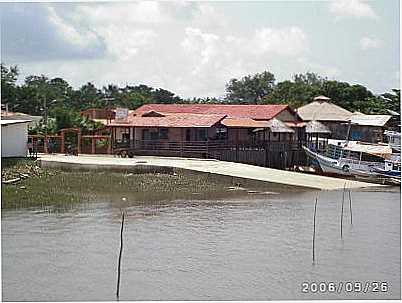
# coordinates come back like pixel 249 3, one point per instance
pixel 343 201
pixel 350 207
pixel 121 250
pixel 315 212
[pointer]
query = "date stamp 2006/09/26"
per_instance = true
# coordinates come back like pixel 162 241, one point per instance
pixel 347 286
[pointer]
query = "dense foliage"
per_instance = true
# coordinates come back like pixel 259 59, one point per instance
pixel 56 98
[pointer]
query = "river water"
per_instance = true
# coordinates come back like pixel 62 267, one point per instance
pixel 245 247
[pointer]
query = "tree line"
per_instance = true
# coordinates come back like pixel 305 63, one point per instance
pixel 38 93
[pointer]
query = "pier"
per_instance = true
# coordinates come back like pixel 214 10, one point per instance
pixel 217 167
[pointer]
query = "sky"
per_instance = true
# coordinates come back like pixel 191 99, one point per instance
pixel 194 48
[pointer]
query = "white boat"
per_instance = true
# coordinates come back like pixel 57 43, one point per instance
pixel 341 166
pixel 349 157
pixel 393 139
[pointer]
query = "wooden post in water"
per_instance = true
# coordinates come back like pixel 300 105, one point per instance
pixel 121 250
pixel 315 212
pixel 350 207
pixel 343 201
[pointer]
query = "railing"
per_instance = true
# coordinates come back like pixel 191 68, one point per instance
pixel 272 154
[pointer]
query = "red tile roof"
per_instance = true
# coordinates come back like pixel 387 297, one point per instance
pixel 243 123
pixel 170 120
pixel 259 112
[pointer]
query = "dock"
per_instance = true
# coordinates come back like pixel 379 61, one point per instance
pixel 238 170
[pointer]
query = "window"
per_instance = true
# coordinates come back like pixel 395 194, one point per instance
pixel 356 135
pixel 154 135
pixel 202 134
pixel 146 134
pixel 221 133
pixel 163 133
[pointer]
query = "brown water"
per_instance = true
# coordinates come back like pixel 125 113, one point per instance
pixel 254 247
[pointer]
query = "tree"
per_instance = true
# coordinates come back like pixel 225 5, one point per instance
pixel 250 89
pixel 392 100
pixel 298 92
pixel 87 96
pixel 9 77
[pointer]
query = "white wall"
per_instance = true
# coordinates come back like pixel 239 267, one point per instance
pixel 14 138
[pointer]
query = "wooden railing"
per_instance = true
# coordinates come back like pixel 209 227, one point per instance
pixel 272 154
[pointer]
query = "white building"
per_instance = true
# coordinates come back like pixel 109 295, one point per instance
pixel 14 138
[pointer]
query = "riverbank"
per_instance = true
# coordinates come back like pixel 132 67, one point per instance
pixel 49 186
pixel 273 177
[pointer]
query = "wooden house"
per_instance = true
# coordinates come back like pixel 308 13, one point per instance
pixel 235 124
pixel 344 124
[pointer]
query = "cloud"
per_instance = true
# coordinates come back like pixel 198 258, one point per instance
pixel 367 43
pixel 190 48
pixel 352 8
pixel 213 59
pixel 34 32
pixel 71 34
pixel 282 41
pixel 324 70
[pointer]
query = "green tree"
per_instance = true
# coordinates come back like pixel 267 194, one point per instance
pixel 392 100
pixel 9 90
pixel 298 92
pixel 250 89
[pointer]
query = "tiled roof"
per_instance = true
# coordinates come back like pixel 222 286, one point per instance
pixel 258 112
pixel 170 120
pixel 243 123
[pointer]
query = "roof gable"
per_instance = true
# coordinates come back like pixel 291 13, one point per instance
pixel 152 113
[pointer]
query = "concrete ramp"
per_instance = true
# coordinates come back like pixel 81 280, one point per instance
pixel 232 169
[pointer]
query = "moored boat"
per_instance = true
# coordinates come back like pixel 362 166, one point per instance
pixel 358 159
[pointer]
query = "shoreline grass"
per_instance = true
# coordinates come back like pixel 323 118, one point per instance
pixel 51 187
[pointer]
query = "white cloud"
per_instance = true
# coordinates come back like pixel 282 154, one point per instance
pixel 202 46
pixel 147 12
pixel 169 45
pixel 352 8
pixel 324 70
pixel 79 38
pixel 282 41
pixel 370 43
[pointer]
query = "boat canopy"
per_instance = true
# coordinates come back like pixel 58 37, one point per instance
pixel 380 150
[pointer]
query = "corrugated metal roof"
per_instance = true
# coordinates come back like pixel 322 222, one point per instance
pixel 323 111
pixel 9 122
pixel 170 120
pixel 373 149
pixel 259 112
pixel 370 120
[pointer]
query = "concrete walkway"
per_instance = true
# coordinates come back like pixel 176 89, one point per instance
pixel 208 166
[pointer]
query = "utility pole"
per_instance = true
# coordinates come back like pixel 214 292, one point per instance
pixel 45 118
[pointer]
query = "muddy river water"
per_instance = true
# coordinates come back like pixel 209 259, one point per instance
pixel 246 247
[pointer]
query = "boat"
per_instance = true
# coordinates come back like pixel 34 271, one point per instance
pixel 354 158
pixel 393 139
pixel 327 164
